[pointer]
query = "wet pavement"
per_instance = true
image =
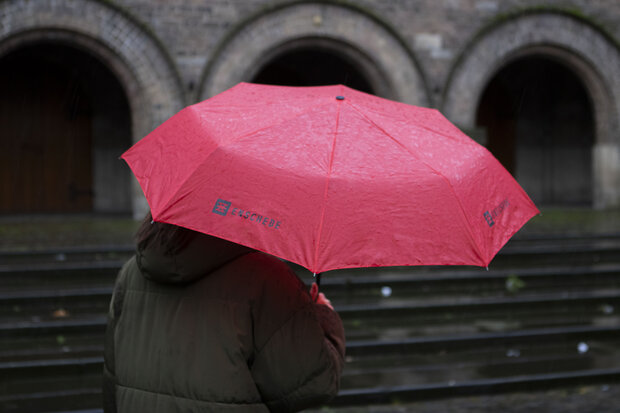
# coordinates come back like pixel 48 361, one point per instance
pixel 601 398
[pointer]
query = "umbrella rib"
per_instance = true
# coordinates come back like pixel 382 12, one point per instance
pixel 171 201
pixel 438 132
pixel 329 172
pixel 398 142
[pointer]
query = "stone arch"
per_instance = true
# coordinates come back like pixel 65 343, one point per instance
pixel 134 55
pixel 360 37
pixel 148 75
pixel 576 43
pixel 365 76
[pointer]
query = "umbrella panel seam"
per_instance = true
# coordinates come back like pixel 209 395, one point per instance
pixel 479 250
pixel 169 202
pixel 329 172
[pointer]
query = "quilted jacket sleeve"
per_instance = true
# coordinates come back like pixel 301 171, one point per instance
pixel 109 378
pixel 300 347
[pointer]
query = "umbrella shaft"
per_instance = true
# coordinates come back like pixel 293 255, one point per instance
pixel 317 279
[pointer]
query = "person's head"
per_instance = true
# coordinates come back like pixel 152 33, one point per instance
pixel 167 237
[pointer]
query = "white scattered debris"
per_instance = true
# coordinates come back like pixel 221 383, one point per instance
pixel 607 309
pixel 513 352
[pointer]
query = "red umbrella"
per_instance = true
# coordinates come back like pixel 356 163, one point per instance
pixel 329 177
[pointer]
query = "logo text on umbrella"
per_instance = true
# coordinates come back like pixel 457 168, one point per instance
pixel 222 208
pixel 490 216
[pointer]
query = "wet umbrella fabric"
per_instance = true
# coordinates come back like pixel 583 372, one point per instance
pixel 329 177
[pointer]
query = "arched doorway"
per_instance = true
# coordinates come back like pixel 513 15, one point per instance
pixel 65 120
pixel 539 123
pixel 312 67
pixel 344 33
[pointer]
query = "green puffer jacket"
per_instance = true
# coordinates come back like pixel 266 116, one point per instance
pixel 217 328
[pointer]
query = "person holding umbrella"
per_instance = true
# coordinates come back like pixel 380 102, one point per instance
pixel 326 177
pixel 201 324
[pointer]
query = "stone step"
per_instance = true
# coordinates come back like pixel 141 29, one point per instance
pixel 546 313
pixel 375 371
pixel 541 247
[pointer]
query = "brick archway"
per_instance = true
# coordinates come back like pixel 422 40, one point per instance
pixel 376 50
pixel 137 59
pixel 148 75
pixel 565 38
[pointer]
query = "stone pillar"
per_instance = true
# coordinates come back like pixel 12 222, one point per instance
pixel 606 175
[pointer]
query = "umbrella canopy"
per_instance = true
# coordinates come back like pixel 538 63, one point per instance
pixel 329 177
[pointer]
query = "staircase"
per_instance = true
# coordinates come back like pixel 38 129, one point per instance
pixel 545 315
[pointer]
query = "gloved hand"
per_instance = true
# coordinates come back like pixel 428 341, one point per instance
pixel 318 297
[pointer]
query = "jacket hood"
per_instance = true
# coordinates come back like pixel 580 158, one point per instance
pixel 198 259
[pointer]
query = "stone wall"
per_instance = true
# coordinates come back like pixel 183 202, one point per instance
pixel 167 54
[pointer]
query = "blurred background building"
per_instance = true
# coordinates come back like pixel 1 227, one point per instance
pixel 536 81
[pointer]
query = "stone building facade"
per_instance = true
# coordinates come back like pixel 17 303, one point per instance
pixel 537 81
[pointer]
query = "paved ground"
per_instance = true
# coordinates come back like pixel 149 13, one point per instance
pixel 586 399
pixel 34 232
pixel 27 232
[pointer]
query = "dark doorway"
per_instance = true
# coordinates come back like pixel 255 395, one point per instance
pixel 60 110
pixel 312 67
pixel 539 123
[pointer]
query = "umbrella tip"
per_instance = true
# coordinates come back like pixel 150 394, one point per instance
pixel 339 97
